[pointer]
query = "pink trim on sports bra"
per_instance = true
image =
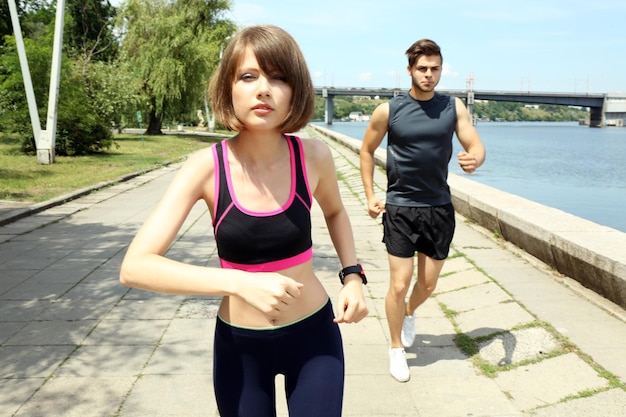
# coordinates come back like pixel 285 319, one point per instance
pixel 292 191
pixel 272 266
pixel 292 195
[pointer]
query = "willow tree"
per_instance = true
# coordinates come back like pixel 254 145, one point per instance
pixel 172 47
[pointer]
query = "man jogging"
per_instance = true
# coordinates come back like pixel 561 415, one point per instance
pixel 418 215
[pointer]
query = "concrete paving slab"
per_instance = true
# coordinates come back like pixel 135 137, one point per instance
pixel 60 276
pixel 127 332
pixel 518 345
pixel 392 399
pixel 21 310
pixel 52 332
pixel 440 361
pixel 549 381
pixel 496 318
pixel 90 290
pixel 474 297
pixel 77 397
pixel 21 390
pixel 105 361
pixel 32 361
pixel 368 331
pixel 9 329
pixel 375 355
pixel 166 359
pixel 162 308
pixel 460 396
pixel 203 308
pixel 611 403
pixel 455 264
pixel 189 330
pixel 429 309
pixel 459 280
pixel 170 395
pixel 434 331
pixel 71 310
pixel 39 291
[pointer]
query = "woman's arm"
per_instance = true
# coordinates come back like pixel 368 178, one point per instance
pixel 146 267
pixel 323 179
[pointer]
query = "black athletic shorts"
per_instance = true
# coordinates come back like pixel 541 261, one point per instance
pixel 427 230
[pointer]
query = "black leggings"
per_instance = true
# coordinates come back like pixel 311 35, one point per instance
pixel 308 353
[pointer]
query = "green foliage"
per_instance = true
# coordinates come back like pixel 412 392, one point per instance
pixel 14 115
pixel 173 52
pixel 88 30
pixel 80 126
pixel 36 16
pixel 6 28
pixel 518 112
pixel 114 91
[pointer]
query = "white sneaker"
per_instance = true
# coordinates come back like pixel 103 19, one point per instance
pixel 397 365
pixel 408 331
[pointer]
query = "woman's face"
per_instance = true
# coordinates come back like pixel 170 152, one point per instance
pixel 261 101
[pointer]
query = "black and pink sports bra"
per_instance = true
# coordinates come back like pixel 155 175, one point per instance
pixel 262 241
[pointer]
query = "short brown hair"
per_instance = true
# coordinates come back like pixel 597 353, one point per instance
pixel 277 52
pixel 420 48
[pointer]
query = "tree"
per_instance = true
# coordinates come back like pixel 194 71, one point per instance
pixel 81 126
pixel 6 27
pixel 14 115
pixel 113 90
pixel 89 32
pixel 172 48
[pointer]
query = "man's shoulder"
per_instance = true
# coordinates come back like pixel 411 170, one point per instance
pixel 402 95
pixel 398 100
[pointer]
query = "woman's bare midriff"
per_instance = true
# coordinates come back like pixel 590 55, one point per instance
pixel 313 296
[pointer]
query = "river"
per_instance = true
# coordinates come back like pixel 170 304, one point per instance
pixel 577 169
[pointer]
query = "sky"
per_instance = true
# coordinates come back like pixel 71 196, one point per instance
pixel 564 46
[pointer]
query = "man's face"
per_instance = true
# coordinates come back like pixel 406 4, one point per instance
pixel 426 72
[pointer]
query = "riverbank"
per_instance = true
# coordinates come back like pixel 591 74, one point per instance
pixel 589 253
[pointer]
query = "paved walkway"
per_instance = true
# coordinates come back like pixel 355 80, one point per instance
pixel 502 335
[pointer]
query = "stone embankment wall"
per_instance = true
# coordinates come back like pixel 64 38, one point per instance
pixel 592 254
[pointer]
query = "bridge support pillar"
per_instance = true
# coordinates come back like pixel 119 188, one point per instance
pixel 470 107
pixel 595 117
pixel 328 107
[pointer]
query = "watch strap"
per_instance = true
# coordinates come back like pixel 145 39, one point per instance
pixel 354 269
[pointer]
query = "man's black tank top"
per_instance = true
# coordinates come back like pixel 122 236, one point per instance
pixel 419 148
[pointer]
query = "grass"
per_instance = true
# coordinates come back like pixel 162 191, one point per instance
pixel 23 179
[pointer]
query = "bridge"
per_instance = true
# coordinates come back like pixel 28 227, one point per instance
pixel 604 109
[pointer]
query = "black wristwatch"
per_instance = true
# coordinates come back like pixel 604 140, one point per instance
pixel 354 269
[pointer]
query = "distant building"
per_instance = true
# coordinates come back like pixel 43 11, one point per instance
pixel 357 116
